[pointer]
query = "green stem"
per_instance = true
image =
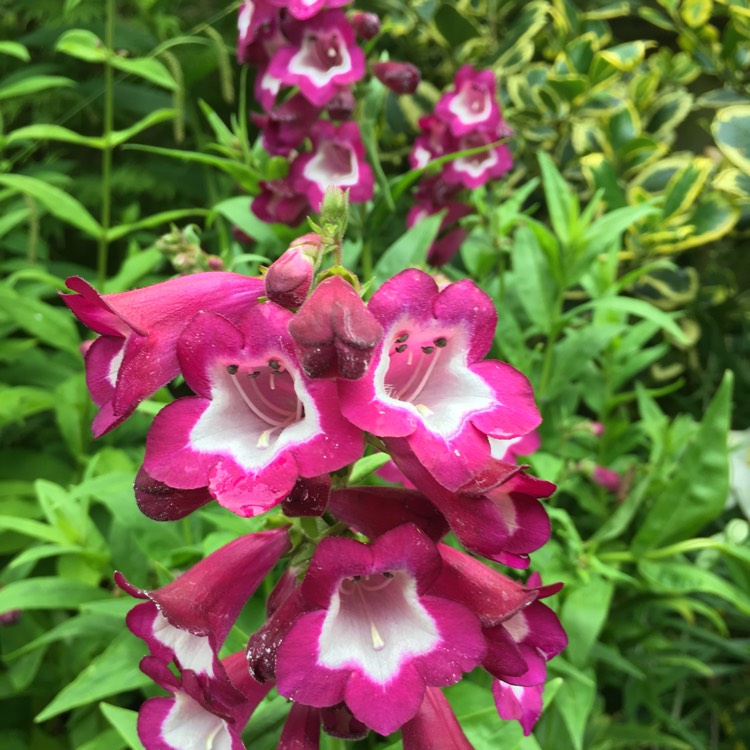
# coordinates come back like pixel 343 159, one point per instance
pixel 109 110
pixel 549 350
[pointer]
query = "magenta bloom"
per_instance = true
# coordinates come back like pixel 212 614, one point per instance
pixel 321 56
pixel 427 382
pixel 304 9
pixel 435 140
pixel 194 716
pixel 477 169
pixel 266 88
pixel 609 479
pixel 287 125
pixel 471 106
pixel 337 158
pixel 256 423
pixel 278 201
pixel 258 32
pixel 289 278
pixel 377 636
pixel 334 331
pixel 435 726
pixel 399 77
pixel 136 352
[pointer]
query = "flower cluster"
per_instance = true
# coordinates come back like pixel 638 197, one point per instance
pixel 372 612
pixel 307 60
pixel 466 117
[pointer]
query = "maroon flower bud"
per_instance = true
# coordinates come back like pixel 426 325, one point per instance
pixel 309 497
pixel 289 278
pixel 399 77
pixel 366 25
pixel 342 106
pixel 214 263
pixel 335 332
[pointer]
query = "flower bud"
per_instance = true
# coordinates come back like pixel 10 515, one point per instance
pixel 335 332
pixel 366 25
pixel 399 77
pixel 342 106
pixel 289 278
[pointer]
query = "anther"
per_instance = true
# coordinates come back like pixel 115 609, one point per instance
pixel 274 364
pixel 403 337
pixel 253 375
pixel 428 349
pixel 401 348
pixel 355 579
pixel 232 369
pixel 387 574
pixel 441 342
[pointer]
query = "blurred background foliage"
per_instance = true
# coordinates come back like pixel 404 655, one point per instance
pixel 615 251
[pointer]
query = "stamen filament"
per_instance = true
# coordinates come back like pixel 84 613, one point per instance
pixel 378 643
pixel 248 401
pixel 426 376
pixel 415 374
pixel 284 412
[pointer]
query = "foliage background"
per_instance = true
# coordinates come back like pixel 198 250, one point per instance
pixel 617 262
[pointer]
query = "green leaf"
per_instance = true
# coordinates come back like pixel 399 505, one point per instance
pixel 454 26
pixel 113 671
pixel 731 129
pixel 85 45
pixel 583 615
pixel 14 49
pixel 33 85
pixel 51 132
pixel 685 186
pixel 636 307
pixel 688 578
pixel 698 492
pixel 34 529
pixel 165 217
pixel 237 210
pixel 56 201
pixel 366 466
pixel 696 13
pixel 51 325
pixel 575 701
pixel 532 281
pixel 561 203
pixel 47 593
pixel 408 251
pixel 133 269
pixel 124 722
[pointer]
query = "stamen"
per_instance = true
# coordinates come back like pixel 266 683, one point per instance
pixel 253 375
pixel 387 574
pixel 428 349
pixel 425 411
pixel 253 407
pixel 403 337
pixel 232 369
pixel 401 348
pixel 411 357
pixel 425 377
pixel 272 383
pixel 274 364
pixel 441 342
pixel 378 643
pixel 264 439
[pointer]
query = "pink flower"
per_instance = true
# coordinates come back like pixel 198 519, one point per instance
pixel 287 125
pixel 334 331
pixel 343 104
pixel 376 636
pixel 338 158
pixel 435 726
pixel 136 352
pixel 427 383
pixel 471 106
pixel 289 277
pixel 304 9
pixel 607 478
pixel 366 25
pixel 477 169
pixel 399 77
pixel 266 88
pixel 258 32
pixel 256 423
pixel 278 201
pixel 435 140
pixel 321 56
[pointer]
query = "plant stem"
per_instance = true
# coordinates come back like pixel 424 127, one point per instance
pixel 103 250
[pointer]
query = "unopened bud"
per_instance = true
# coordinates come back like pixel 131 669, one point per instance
pixel 214 263
pixel 342 106
pixel 289 278
pixel 334 211
pixel 365 25
pixel 335 332
pixel 399 77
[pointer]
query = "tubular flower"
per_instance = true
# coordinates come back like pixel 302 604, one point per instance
pixel 435 726
pixel 135 354
pixel 321 56
pixel 377 636
pixel 304 9
pixel 280 202
pixel 258 32
pixel 426 382
pixel 538 634
pixel 256 423
pixel 287 125
pixel 338 159
pixel 471 106
pixel 477 169
pixel 194 717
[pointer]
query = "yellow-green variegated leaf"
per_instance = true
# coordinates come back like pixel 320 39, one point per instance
pixel 640 152
pixel 695 13
pixel 613 10
pixel 733 181
pixel 731 130
pixel 532 20
pixel 601 70
pixel 624 126
pixel 580 52
pixel 668 112
pixel 669 288
pixel 655 178
pixel 685 186
pixel 657 18
pixel 586 137
pixel 642 87
pixel 600 175
pixel 567 86
pixel 628 56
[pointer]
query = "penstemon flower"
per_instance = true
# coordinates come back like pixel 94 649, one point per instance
pixel 372 612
